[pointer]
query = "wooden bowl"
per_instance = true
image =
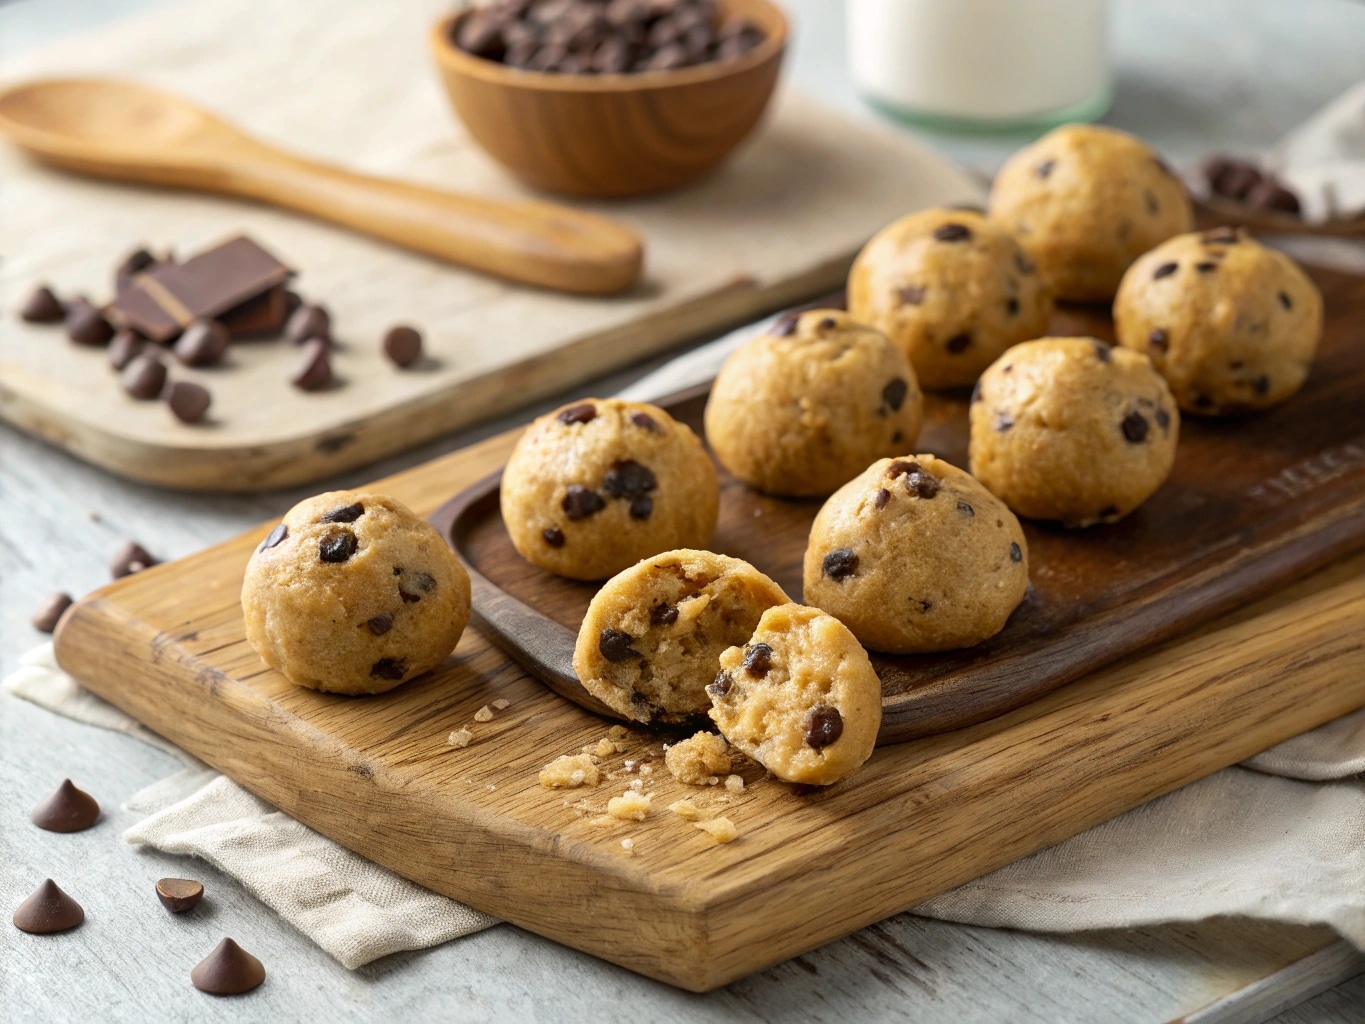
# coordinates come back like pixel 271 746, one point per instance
pixel 614 135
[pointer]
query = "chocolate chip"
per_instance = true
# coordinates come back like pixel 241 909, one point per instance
pixel 579 502
pixel 1149 197
pixel 204 342
pixel 616 646
pixel 144 377
pixel 953 232
pixel 901 466
pixel 1165 270
pixel 840 563
pixel 1206 266
pixel 337 546
pixel 48 910
pixel 894 394
pixel 42 307
pixel 720 686
pixel 1134 427
pixel 1163 420
pixel 827 324
pixel 553 536
pixel 958 342
pixel 824 725
pixel 314 371
pixel 1285 300
pixel 882 496
pixel 125 347
pixel 912 295
pixel 1261 385
pixel 1023 264
pixel 663 615
pixel 380 624
pixel 130 558
pixel 389 668
pixel 642 508
pixel 1158 339
pixel 425 581
pixel 179 894
pixel 1045 168
pixel 758 659
pixel 976 392
pixel 85 323
pixel 921 485
pixel 784 325
pixel 131 265
pixel 343 514
pixel 898 436
pixel 924 605
pixel 188 402
pixel 1012 306
pixel 66 809
pixel 228 971
pixel 1003 421
pixel 408 596
pixel 308 322
pixel 966 509
pixel 275 537
pixel 629 479
pixel 1203 401
pixel 585 412
pixel 403 345
pixel 1108 511
pixel 50 612
pixel 1103 352
pixel 1016 552
pixel 645 421
pixel 1269 194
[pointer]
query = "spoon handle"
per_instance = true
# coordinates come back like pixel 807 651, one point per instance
pixel 533 242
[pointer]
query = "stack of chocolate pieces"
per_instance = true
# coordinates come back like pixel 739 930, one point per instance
pixel 1243 182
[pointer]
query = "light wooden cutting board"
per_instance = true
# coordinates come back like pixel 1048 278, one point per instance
pixel 349 81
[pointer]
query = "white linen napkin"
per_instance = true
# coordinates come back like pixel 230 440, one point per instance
pixel 1323 160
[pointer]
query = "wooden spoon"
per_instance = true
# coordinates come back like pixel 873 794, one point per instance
pixel 119 129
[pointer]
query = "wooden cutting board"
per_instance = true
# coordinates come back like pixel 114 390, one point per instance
pixel 778 223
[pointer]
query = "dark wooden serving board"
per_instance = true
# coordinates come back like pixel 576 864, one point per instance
pixel 1252 504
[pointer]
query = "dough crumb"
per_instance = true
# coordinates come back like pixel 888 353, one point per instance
pixel 722 830
pixel 461 737
pixel 637 784
pixel 628 845
pixel 646 769
pixel 734 784
pixel 604 748
pixel 501 704
pixel 629 806
pixel 618 732
pixel 699 760
pixel 686 810
pixel 569 771
pixel 484 714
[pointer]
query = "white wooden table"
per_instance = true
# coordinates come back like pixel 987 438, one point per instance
pixel 1232 74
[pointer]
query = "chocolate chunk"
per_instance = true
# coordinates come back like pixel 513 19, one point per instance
pixel 579 502
pixel 1158 339
pixel 1016 552
pixel 958 342
pixel 144 377
pixel 1023 264
pixel 901 466
pixel 130 558
pixel 586 412
pixel 408 596
pixel 261 317
pixel 1163 420
pixel 66 809
pixel 921 484
pixel 784 325
pixel 188 402
pixel 758 659
pixel 203 343
pixel 894 394
pixel 1044 169
pixel 629 479
pixel 389 668
pixel 274 537
pixel 1003 421
pixel 48 910
pixel 1103 352
pixel 911 295
pixel 85 324
pixel 1206 266
pixel 824 725
pixel 1285 300
pixel 380 624
pixel 131 265
pixel 953 232
pixel 1165 270
pixel 1269 194
pixel 126 346
pixel 42 307
pixel 228 971
pixel 337 546
pixel 307 322
pixel 663 615
pixel 645 421
pixel 403 344
pixel 314 371
pixel 179 894
pixel 553 536
pixel 642 508
pixel 720 686
pixel 880 499
pixel 616 646
pixel 1261 385
pixel 343 514
pixel 966 509
pixel 840 564
pixel 50 612
pixel 1134 427
pixel 1012 306
pixel 1230 177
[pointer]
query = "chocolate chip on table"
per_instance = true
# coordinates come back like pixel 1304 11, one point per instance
pixel 50 612
pixel 86 324
pixel 66 809
pixel 584 412
pixel 1261 385
pixel 1134 427
pixel 1016 552
pixel 1165 270
pixel 958 342
pixel 202 343
pixel 894 393
pixel 921 484
pixel 663 615
pixel 389 668
pixel 758 660
pixel 911 295
pixel 188 402
pixel 315 367
pixel 130 558
pixel 953 232
pixel 380 624
pixel 274 537
pixel 629 479
pixel 642 508
pixel 48 910
pixel 720 686
pixel 343 514
pixel 307 322
pixel 337 546
pixel 42 307
pixel 880 499
pixel 126 346
pixel 1044 169
pixel 824 725
pixel 228 971
pixel 616 646
pixel 553 536
pixel 580 502
pixel 1158 339
pixel 403 345
pixel 840 564
pixel 179 894
pixel 966 509
pixel 645 421
pixel 144 377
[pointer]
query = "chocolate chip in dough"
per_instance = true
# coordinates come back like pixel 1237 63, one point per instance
pixel 228 971
pixel 958 342
pixel 840 564
pixel 1261 385
pixel 1165 270
pixel 380 624
pixel 663 615
pixel 629 479
pixel 553 536
pixel 403 345
pixel 1163 420
pixel 1149 198
pixel 1134 427
pixel 314 371
pixel 189 402
pixel 720 686
pixel 126 346
pixel 645 421
pixel 1158 339
pixel 1206 266
pixel 130 558
pixel 921 484
pixel 343 514
pixel 880 499
pixel 50 612
pixel 1012 306
pixel 66 809
pixel 953 232
pixel 86 324
pixel 408 596
pixel 1103 352
pixel 1023 264
pixel 893 395
pixel 1285 300
pixel 642 508
pixel 911 295
pixel 580 502
pixel 784 325
pixel 824 725
pixel 966 509
pixel 758 660
pixel 585 412
pixel 901 466
pixel 616 646
pixel 274 537
pixel 338 546
pixel 1003 422
pixel 307 322
pixel 389 668
pixel 48 910
pixel 1044 169
pixel 1016 552
pixel 179 894
pixel 203 343
pixel 144 377
pixel 42 307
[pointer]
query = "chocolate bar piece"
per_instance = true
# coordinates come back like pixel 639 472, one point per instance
pixel 261 317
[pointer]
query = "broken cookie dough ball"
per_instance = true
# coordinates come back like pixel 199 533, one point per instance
pixel 805 407
pixel 354 593
pixel 800 697
pixel 653 635
pixel 595 486
pixel 700 760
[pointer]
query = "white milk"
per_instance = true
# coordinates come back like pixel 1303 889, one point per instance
pixel 981 60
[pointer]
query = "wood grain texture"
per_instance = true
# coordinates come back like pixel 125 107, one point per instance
pixel 1251 504
pixel 376 774
pixel 614 135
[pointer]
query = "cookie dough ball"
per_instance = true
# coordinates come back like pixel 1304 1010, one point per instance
pixel 801 697
pixel 354 593
pixel 1086 201
pixel 915 555
pixel 653 635
pixel 596 486
pixel 1073 430
pixel 952 290
pixel 805 407
pixel 1231 325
